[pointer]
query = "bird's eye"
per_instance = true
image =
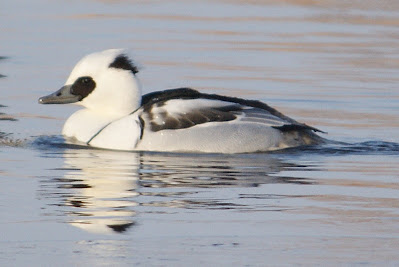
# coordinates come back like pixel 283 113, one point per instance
pixel 85 80
pixel 83 86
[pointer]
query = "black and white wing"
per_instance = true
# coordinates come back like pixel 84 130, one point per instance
pixel 184 108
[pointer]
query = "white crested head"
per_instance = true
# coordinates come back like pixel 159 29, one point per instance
pixel 106 82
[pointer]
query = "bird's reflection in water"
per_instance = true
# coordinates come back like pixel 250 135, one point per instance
pixel 212 170
pixel 100 189
pixel 196 181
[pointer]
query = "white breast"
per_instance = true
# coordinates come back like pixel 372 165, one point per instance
pixel 83 124
pixel 122 134
pixel 105 131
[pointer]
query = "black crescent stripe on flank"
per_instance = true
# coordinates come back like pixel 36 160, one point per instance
pixel 140 124
pixel 160 97
pixel 123 62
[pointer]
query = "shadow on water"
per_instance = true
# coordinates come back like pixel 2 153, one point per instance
pixel 2 58
pixel 102 191
pixel 5 138
pixel 4 116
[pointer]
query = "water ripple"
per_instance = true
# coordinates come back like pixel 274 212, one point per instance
pixel 340 148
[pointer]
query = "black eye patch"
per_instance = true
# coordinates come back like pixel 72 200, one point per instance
pixel 83 86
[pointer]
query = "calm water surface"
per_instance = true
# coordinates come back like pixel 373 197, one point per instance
pixel 330 64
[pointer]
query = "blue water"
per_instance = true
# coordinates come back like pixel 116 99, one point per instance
pixel 332 65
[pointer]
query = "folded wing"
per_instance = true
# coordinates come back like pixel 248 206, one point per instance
pixel 184 108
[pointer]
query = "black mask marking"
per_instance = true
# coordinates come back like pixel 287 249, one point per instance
pixel 83 87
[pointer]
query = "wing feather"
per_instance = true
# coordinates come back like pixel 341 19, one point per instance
pixel 184 108
pixel 194 112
